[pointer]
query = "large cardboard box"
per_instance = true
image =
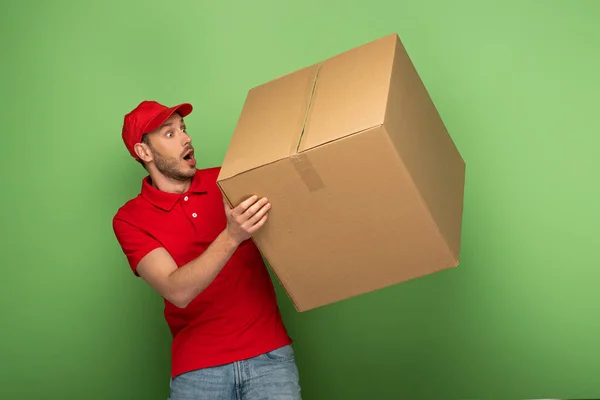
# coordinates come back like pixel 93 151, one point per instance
pixel 365 182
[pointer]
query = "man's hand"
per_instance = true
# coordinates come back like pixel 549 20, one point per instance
pixel 247 218
pixel 181 285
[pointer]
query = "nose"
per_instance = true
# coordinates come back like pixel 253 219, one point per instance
pixel 186 138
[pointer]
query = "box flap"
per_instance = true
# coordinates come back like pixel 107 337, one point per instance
pixel 270 123
pixel 351 93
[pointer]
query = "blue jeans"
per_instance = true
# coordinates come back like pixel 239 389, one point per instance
pixel 269 376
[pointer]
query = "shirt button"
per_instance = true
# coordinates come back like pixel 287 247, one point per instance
pixel 194 215
pixel 185 198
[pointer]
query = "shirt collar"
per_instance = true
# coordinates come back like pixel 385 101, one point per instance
pixel 166 201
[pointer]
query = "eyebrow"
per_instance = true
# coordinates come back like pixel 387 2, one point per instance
pixel 170 124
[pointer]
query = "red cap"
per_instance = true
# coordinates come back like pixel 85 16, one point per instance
pixel 146 117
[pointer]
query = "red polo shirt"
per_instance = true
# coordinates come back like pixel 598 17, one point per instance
pixel 236 316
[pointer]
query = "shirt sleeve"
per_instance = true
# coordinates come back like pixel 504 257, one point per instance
pixel 135 243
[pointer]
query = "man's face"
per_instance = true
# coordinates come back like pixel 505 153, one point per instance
pixel 171 149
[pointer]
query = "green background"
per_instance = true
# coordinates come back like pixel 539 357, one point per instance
pixel 517 84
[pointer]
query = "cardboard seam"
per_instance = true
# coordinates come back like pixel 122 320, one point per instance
pixel 311 100
pixel 308 174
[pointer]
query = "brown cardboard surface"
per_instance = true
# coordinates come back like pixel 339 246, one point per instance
pixel 365 182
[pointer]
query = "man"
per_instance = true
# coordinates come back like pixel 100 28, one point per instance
pixel 188 244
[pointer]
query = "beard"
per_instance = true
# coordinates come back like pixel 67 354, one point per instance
pixel 171 167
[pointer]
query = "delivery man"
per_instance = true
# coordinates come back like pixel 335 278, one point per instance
pixel 181 237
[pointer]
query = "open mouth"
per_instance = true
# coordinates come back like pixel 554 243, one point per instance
pixel 189 157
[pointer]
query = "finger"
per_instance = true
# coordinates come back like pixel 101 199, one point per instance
pixel 244 205
pixel 255 207
pixel 259 224
pixel 259 215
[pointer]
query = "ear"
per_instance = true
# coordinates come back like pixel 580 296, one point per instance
pixel 143 152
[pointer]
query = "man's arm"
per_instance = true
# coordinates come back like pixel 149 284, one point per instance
pixel 181 285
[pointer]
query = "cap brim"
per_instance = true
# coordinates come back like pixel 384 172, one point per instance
pixel 183 109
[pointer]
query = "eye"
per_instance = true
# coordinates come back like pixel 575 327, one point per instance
pixel 169 133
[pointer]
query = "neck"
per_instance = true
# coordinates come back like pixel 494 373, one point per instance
pixel 169 185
